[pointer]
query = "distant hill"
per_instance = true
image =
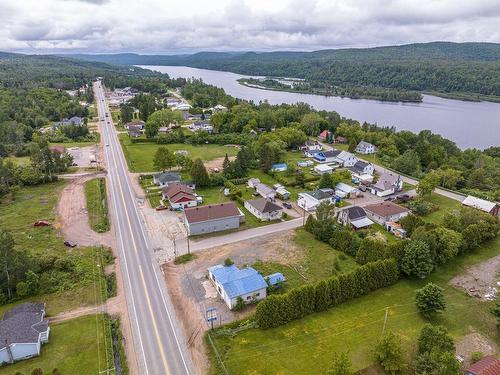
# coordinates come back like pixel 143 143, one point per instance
pixel 468 71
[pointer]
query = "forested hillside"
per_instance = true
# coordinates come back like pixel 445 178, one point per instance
pixel 464 70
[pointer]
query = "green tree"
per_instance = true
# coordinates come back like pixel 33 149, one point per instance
pixel 430 299
pixel 417 259
pixel 389 354
pixel 225 163
pixel 126 113
pixel 199 173
pixel 269 154
pixel 408 163
pixel 428 183
pixel 300 179
pixel 22 289
pixel 164 159
pixel 434 338
pixel 7 254
pixel 325 181
pixel 410 223
pixel 341 365
pixel 161 118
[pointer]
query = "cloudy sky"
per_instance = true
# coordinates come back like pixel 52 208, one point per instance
pixel 172 26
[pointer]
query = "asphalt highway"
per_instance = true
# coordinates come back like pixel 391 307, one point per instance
pixel 159 343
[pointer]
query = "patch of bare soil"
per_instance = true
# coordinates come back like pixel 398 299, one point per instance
pixel 480 281
pixel 475 342
pixel 192 321
pixel 216 164
pixel 73 222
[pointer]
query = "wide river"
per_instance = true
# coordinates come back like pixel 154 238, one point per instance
pixel 469 124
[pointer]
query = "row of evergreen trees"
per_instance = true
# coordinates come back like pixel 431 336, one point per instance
pixel 280 309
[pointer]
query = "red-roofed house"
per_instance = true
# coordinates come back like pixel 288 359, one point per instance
pixel 180 196
pixel 488 365
pixel 324 135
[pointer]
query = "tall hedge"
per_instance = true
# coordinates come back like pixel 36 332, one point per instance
pixel 277 310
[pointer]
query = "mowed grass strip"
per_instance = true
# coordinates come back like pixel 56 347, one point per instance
pixel 97 204
pixel 76 346
pixel 306 346
pixel 140 155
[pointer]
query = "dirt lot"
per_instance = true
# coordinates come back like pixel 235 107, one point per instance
pixel 216 164
pixel 192 293
pixel 81 155
pixel 480 281
pixel 474 342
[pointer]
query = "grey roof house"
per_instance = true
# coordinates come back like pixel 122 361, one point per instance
pixel 264 209
pixel 23 330
pixel 75 120
pixel 165 178
pixel 365 148
pixel 212 218
pixel 355 216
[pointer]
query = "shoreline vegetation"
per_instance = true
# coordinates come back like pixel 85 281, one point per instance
pixel 273 84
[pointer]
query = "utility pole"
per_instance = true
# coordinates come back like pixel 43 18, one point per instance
pixel 187 238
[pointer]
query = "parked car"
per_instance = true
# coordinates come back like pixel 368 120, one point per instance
pixel 287 205
pixel 390 199
pixel 41 223
pixel 70 243
pixel 161 207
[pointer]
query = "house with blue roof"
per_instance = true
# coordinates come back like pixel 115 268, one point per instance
pixel 232 282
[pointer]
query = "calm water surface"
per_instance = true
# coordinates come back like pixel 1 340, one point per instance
pixel 469 124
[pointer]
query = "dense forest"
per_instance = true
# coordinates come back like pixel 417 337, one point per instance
pixel 466 70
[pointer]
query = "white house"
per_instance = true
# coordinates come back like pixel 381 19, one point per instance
pixel 23 330
pixel 263 209
pixel 362 172
pixel 253 182
pixel 323 169
pixel 344 191
pixel 388 183
pixel 346 159
pixel 305 163
pixel 384 212
pixel 365 148
pixel 233 283
pixel 282 193
pixel 265 191
pixel 165 178
pixel 311 145
pixel 219 108
pixel 311 200
pixel 180 196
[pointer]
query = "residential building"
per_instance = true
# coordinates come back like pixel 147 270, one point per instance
pixel 279 167
pixel 355 216
pixel 233 283
pixel 340 140
pixel 311 145
pixel 219 108
pixel 323 169
pixel 263 209
pixel 213 218
pixel 324 135
pixel 346 159
pixel 311 153
pixel 134 133
pixel 488 365
pixel 396 229
pixel 311 200
pixel 326 156
pixel 365 148
pixel 136 124
pixel 362 172
pixel 343 190
pixel 58 149
pixel 384 212
pixel 253 182
pixel 179 196
pixel 490 207
pixel 305 163
pixel 163 179
pixel 343 158
pixel 23 330
pixel 282 193
pixel 75 120
pixel 265 191
pixel 183 106
pixel 388 183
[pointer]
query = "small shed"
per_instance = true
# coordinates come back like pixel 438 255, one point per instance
pixel 275 279
pixel 323 169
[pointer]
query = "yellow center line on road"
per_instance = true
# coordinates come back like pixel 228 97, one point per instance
pixel 155 326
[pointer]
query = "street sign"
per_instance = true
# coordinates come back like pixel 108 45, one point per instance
pixel 211 314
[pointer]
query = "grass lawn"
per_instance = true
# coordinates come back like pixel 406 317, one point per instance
pixel 77 346
pixel 445 205
pixel 318 262
pixel 18 212
pixel 140 155
pixel 97 204
pixel 19 160
pixel 306 346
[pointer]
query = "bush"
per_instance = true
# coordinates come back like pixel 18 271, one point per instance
pixel 389 354
pixel 476 356
pixel 430 299
pixel 277 310
pixel 228 262
pixel 240 304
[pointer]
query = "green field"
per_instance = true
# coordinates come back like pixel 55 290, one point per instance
pixel 76 346
pixel 317 263
pixel 97 204
pixel 307 346
pixel 19 160
pixel 445 205
pixel 18 212
pixel 140 155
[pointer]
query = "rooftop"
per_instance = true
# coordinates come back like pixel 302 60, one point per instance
pixel 264 206
pixel 386 181
pixel 211 212
pixel 480 204
pixel 23 324
pixel 384 209
pixel 355 212
pixel 488 365
pixel 238 282
pixel 168 177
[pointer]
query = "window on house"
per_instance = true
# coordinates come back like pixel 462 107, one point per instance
pixel 248 297
pixel 257 294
